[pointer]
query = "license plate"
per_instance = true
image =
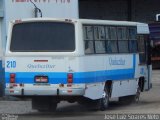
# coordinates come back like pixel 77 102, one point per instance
pixel 41 79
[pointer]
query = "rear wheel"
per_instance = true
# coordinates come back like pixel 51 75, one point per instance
pixel 100 104
pixel 104 101
pixel 1 89
pixel 138 93
pixel 52 108
pixel 44 104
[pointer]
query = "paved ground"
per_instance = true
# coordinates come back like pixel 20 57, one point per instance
pixel 149 104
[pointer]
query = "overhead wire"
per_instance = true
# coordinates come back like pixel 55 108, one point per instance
pixel 36 8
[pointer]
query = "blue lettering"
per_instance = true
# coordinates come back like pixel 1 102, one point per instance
pixel 11 64
pixel 47 66
pixel 115 61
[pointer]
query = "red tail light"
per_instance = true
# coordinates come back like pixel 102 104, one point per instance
pixel 70 78
pixel 12 78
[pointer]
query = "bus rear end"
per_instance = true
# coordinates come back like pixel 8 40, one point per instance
pixel 40 62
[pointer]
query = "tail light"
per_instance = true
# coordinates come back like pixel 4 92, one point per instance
pixel 70 78
pixel 12 78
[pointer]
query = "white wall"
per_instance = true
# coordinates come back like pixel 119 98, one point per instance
pixel 1 5
pixel 1 15
pixel 1 38
pixel 49 8
pixel 19 9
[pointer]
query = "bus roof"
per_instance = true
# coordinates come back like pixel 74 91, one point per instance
pixel 142 28
pixel 86 21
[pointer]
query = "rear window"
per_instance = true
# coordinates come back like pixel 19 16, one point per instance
pixel 43 37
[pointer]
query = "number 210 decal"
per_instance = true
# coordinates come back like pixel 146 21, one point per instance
pixel 11 64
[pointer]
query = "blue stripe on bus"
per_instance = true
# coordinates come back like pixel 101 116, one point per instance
pixel 79 77
pixel 134 63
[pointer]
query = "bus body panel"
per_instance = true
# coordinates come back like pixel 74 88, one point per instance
pixel 85 72
pixel 124 88
pixel 94 91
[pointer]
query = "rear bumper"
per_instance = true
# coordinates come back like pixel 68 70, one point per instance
pixel 45 92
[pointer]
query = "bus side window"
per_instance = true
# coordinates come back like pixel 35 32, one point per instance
pixel 112 42
pixel 122 39
pixel 99 37
pixel 142 49
pixel 89 47
pixel 88 39
pixel 132 34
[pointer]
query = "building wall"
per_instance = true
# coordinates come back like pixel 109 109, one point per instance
pixel 21 9
pixel 1 8
pixel 1 4
pixel 145 10
pixel 108 9
pixel 1 25
pixel 141 10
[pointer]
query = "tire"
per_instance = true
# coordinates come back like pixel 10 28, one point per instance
pixel 44 104
pixel 104 101
pixel 100 104
pixel 52 108
pixel 1 88
pixel 137 96
pixel 90 104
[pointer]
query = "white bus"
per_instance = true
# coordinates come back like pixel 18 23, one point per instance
pixel 88 61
